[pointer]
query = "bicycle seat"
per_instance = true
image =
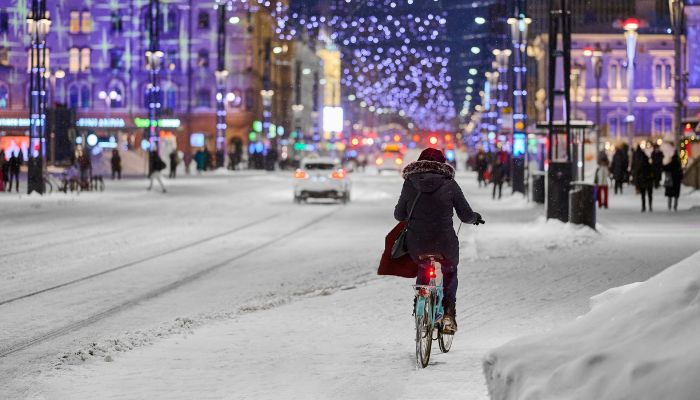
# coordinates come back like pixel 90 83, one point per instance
pixel 427 257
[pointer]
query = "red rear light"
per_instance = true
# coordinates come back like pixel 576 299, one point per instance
pixel 431 272
pixel 339 174
pixel 299 174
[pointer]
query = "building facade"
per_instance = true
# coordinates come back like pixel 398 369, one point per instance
pixel 97 67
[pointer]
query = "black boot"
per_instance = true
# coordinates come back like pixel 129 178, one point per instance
pixel 449 321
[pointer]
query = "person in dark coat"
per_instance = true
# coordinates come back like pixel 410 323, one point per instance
pixel 482 164
pixel 644 178
pixel 174 161
pixel 618 168
pixel 15 164
pixel 672 181
pixel 3 170
pixel 498 175
pixel 116 164
pixel 155 165
pixel 200 158
pixel 657 164
pixel 430 230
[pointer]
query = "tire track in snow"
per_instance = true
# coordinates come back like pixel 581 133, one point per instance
pixel 140 261
pixel 158 291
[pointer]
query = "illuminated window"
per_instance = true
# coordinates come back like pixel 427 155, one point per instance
pixel 35 60
pixel 4 96
pixel 657 75
pixel 667 76
pixel 4 56
pixel 86 21
pixel 73 60
pixel 85 59
pixel 74 22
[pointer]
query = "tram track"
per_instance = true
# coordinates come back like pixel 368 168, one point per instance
pixel 60 331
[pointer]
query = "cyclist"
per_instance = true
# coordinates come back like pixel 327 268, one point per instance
pixel 431 231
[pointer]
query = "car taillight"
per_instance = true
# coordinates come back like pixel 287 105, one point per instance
pixel 339 174
pixel 398 161
pixel 299 174
pixel 380 161
pixel 431 272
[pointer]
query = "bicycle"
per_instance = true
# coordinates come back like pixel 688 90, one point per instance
pixel 429 312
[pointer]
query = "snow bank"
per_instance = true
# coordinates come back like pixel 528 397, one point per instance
pixel 638 342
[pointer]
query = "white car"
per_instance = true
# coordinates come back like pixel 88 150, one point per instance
pixel 321 178
pixel 390 159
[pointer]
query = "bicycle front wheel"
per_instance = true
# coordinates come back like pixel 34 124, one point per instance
pixel 445 341
pixel 424 333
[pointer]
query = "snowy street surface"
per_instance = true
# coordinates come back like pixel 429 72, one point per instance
pixel 224 289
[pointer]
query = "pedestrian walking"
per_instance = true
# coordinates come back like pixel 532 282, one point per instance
pixel 673 176
pixel 657 164
pixel 618 169
pixel 116 163
pixel 174 161
pixel 498 174
pixel 3 170
pixel 155 165
pixel 14 167
pixel 644 178
pixel 85 166
pixel 482 166
pixel 200 158
pixel 602 174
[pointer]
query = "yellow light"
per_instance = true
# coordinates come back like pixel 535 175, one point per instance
pixel 379 161
pixel 397 138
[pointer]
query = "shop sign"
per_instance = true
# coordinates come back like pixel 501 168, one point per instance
pixel 14 122
pixel 101 123
pixel 163 123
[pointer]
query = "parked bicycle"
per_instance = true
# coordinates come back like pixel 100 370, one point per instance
pixel 429 311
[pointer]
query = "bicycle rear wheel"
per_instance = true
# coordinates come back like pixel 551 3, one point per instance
pixel 424 333
pixel 445 341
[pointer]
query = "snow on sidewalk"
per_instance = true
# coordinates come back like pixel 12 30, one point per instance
pixel 638 342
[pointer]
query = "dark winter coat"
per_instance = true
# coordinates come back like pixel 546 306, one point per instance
pixel 155 163
pixel 116 162
pixel 430 230
pixel 618 168
pixel 657 162
pixel 498 173
pixel 675 170
pixel 644 176
pixel 16 162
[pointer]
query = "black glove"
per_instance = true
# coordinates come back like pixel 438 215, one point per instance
pixel 479 220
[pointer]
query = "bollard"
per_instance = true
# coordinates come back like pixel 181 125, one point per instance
pixel 582 209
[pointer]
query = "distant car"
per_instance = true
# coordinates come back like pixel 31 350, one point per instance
pixel 390 159
pixel 321 178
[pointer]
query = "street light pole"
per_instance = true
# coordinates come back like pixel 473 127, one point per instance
pixel 221 75
pixel 154 57
pixel 630 25
pixel 38 24
pixel 677 22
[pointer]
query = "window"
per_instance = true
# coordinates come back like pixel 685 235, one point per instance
pixel 30 59
pixel 171 61
pixel 74 22
pixel 116 58
pixel 623 77
pixel 171 98
pixel 657 75
pixel 662 125
pixel 116 22
pixel 667 76
pixel 4 21
pixel 85 97
pixel 73 96
pixel 73 60
pixel 203 58
pixel 612 126
pixel 4 97
pixel 204 98
pixel 85 59
pixel 170 20
pixel 203 20
pixel 4 56
pixel 86 22
pixel 613 76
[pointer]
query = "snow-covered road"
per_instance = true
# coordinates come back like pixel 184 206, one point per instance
pixel 226 289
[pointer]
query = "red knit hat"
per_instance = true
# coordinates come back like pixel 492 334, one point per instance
pixel 431 154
